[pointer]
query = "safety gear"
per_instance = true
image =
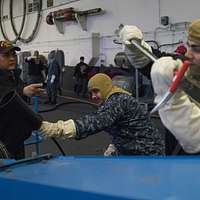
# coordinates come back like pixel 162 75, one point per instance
pixel 194 31
pixel 135 56
pixel 111 151
pixel 61 129
pixel 115 90
pixel 103 83
pixel 162 74
pixel 179 114
pixel 129 32
pixel 52 78
pixel 182 118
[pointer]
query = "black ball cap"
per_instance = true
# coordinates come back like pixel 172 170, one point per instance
pixel 6 46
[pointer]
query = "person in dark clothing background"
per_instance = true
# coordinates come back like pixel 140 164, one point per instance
pixel 81 76
pixel 53 79
pixel 9 81
pixel 36 69
pixel 119 114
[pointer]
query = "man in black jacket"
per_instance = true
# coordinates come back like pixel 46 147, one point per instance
pixel 36 69
pixel 10 80
pixel 81 75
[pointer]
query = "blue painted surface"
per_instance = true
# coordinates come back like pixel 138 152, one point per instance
pixel 171 178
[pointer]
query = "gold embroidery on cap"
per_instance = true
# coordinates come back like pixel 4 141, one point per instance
pixel 5 44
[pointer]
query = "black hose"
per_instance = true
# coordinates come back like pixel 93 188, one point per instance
pixel 59 146
pixel 17 34
pixel 169 44
pixel 154 42
pixel 115 41
pixel 66 103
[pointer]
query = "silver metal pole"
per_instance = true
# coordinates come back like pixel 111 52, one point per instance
pixel 144 51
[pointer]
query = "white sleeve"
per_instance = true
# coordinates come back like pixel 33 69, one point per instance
pixel 182 118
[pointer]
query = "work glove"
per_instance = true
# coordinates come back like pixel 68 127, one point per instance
pixel 135 56
pixel 129 32
pixel 111 151
pixel 60 129
pixel 52 79
pixel 162 74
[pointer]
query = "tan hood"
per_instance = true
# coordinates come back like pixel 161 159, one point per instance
pixel 103 83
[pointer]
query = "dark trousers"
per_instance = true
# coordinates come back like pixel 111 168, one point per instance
pixel 52 89
pixel 81 86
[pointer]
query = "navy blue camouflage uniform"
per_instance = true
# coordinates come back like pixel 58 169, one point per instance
pixel 129 125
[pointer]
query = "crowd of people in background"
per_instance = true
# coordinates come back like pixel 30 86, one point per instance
pixel 101 87
pixel 48 72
